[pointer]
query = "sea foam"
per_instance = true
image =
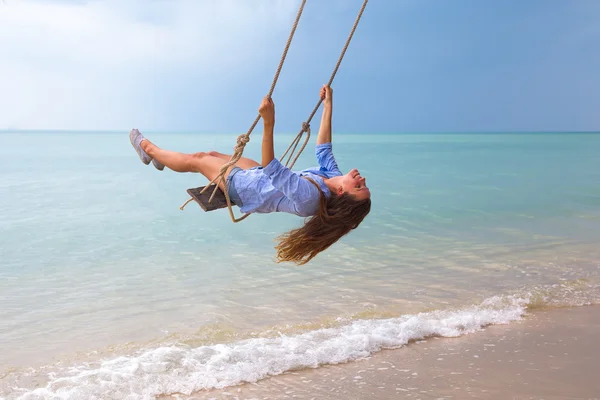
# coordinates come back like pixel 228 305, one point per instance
pixel 184 370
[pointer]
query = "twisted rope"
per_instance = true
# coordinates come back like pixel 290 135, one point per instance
pixel 243 139
pixel 306 124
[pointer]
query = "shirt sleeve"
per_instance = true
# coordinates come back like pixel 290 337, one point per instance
pixel 324 153
pixel 303 193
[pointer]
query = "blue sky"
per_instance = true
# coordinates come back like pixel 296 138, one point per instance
pixel 202 65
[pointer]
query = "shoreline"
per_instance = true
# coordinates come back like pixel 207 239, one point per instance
pixel 550 354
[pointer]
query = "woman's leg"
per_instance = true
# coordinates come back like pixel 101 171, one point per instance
pixel 243 162
pixel 204 163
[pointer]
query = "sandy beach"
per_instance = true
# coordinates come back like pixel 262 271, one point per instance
pixel 551 354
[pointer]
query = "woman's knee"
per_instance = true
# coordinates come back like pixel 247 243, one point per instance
pixel 193 162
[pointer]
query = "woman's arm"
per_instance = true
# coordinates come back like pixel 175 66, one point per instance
pixel 267 112
pixel 325 129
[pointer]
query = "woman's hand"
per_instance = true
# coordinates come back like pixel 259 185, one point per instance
pixel 267 110
pixel 326 95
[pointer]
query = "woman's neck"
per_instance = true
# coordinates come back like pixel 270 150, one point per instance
pixel 333 183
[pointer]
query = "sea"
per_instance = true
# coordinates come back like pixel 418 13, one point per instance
pixel 108 290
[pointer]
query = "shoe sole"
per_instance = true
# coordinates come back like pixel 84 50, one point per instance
pixel 159 166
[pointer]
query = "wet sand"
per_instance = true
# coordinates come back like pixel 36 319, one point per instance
pixel 552 354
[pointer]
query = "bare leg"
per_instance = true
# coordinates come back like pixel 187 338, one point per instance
pixel 204 163
pixel 243 162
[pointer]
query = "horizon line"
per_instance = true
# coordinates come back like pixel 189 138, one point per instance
pixel 154 131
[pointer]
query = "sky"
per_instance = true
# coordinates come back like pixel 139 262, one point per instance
pixel 204 65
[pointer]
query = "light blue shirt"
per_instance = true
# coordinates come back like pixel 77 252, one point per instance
pixel 276 188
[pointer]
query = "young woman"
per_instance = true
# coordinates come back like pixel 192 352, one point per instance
pixel 335 203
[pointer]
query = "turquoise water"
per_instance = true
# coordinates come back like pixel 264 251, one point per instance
pixel 108 290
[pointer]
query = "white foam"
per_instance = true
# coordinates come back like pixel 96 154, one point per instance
pixel 185 370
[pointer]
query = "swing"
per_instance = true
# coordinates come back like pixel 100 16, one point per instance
pixel 219 198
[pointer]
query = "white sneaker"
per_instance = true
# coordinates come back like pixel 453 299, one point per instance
pixel 135 137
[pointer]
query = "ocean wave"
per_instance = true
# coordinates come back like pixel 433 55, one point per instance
pixel 185 369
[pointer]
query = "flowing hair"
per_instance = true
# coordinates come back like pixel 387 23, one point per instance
pixel 337 215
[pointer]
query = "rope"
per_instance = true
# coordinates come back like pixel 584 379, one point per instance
pixel 306 124
pixel 243 139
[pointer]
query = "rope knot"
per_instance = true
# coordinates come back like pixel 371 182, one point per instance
pixel 305 127
pixel 243 139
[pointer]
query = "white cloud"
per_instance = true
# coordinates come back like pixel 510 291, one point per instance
pixel 100 64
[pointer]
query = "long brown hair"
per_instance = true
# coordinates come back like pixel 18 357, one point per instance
pixel 337 216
